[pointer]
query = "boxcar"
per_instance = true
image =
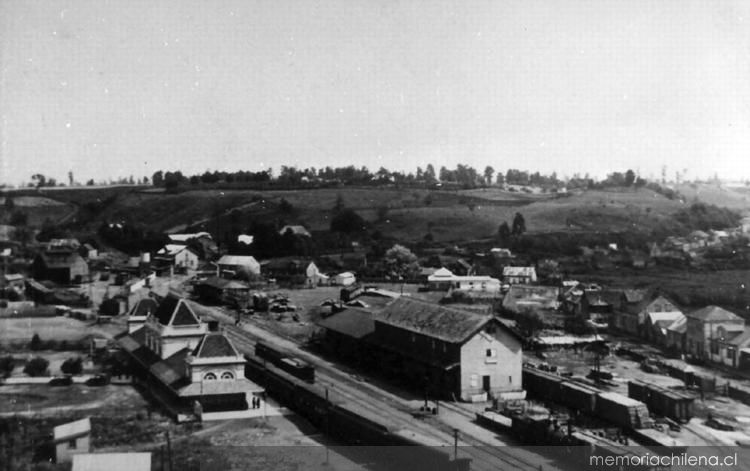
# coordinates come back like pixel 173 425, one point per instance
pixel 578 396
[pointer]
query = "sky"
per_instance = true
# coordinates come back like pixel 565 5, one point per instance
pixel 109 88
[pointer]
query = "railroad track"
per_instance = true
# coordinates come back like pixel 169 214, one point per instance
pixel 485 456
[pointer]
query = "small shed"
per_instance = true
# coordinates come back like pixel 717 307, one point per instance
pixel 346 278
pixel 72 438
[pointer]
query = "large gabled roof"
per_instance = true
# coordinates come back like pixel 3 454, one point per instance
pixel 175 311
pixel 713 314
pixel 350 322
pixel 440 322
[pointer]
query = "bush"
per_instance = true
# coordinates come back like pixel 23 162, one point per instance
pixel 36 343
pixel 37 366
pixel 7 363
pixel 72 366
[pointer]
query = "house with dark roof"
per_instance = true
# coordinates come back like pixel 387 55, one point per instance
pixel 346 333
pixel 61 265
pixel 519 275
pixel 216 290
pixel 676 335
pixel 448 352
pixel 708 328
pixel 188 366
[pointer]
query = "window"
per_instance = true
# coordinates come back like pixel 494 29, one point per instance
pixel 473 381
pixel 209 377
pixel 72 444
pixel 490 356
pixel 227 375
pixel 714 347
pixel 510 379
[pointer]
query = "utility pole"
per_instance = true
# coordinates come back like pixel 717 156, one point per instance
pixel 328 427
pixel 169 451
pixel 455 444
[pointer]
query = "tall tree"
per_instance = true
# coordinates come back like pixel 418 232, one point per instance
pixel 519 225
pixel 629 178
pixel 488 172
pixel 401 261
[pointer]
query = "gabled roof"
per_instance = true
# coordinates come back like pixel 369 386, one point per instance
pixel 175 311
pixel 144 307
pixel 443 323
pixel 713 314
pixel 238 260
pixel 187 237
pixel 174 249
pixel 171 371
pixel 215 344
pixel 635 295
pixel 519 271
pixel 350 322
pixel 224 283
pixel 740 340
pixel 72 429
pixel 664 318
pixel 679 326
pixel 296 230
pixel 544 297
pixel 442 273
pixel 60 258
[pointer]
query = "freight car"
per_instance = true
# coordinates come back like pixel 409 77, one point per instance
pixel 412 450
pixel 663 401
pixel 613 407
pixel 291 365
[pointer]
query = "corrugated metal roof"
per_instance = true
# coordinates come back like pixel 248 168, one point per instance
pixel 448 324
pixel 351 322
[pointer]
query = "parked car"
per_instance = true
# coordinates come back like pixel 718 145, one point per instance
pixel 61 381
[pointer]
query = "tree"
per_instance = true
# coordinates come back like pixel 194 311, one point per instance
pixel 72 366
pixel 18 218
pixel 36 343
pixel 37 366
pixel 529 323
pixel 339 205
pixel 488 172
pixel 400 261
pixel 90 182
pixel 40 180
pixel 348 221
pixel 500 179
pixel 629 178
pixel 158 178
pixel 7 363
pixel 519 225
pixel 70 178
pixel 429 174
pixel 503 232
pixel 9 203
pixel 285 206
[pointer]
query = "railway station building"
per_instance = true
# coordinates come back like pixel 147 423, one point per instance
pixel 449 352
pixel 187 365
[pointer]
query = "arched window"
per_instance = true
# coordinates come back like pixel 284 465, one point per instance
pixel 227 375
pixel 209 376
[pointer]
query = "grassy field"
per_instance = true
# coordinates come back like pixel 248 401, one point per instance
pixel 406 214
pixel 14 330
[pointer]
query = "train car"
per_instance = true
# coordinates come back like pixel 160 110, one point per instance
pixel 294 366
pixel 540 384
pixel 591 445
pixel 622 410
pixel 300 369
pixel 494 421
pixel 268 353
pixel 658 441
pixel 663 401
pixel 578 396
pixel 356 426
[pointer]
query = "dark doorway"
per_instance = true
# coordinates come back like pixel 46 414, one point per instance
pixel 486 383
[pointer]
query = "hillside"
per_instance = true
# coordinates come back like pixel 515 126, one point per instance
pixel 404 214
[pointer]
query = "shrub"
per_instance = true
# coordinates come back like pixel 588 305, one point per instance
pixel 37 366
pixel 7 363
pixel 36 343
pixel 72 366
